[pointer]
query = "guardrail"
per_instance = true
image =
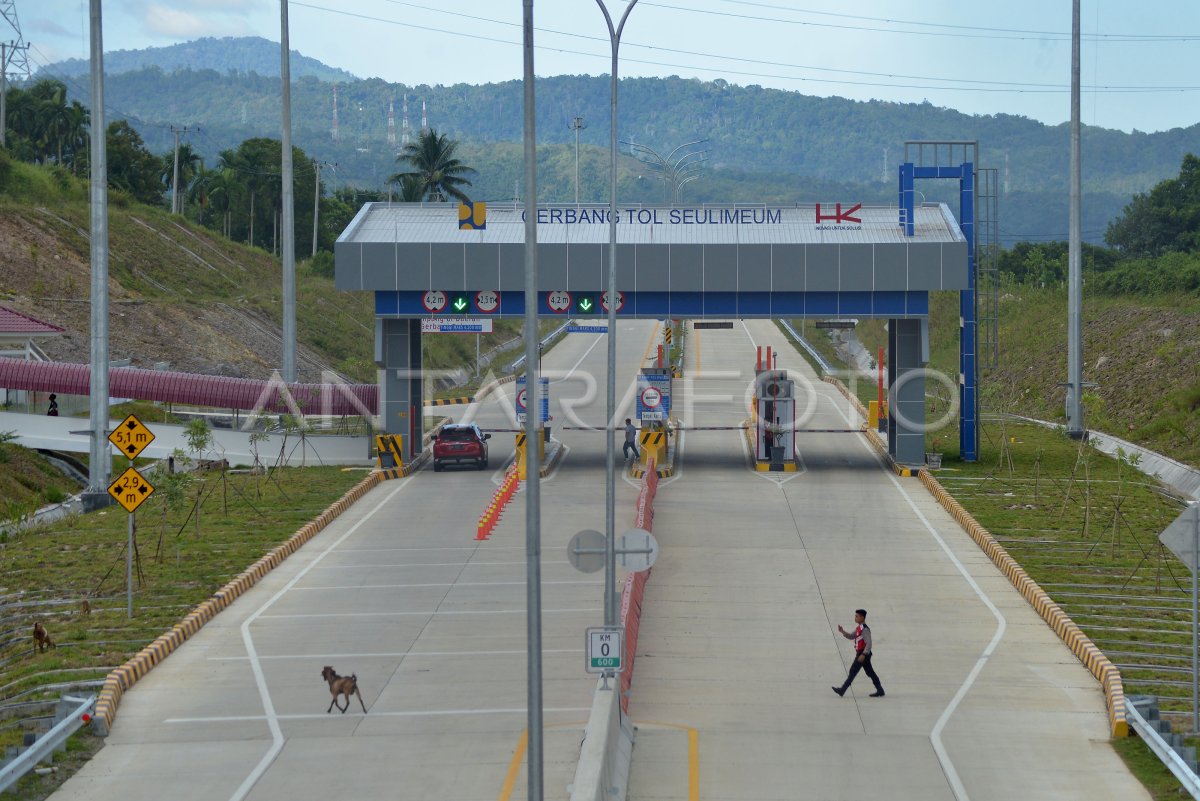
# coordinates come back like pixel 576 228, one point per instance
pixel 1161 748
pixel 804 344
pixel 12 771
pixel 561 329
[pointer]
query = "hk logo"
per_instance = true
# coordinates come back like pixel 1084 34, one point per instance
pixel 472 216
pixel 839 216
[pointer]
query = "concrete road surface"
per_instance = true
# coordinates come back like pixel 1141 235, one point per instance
pixel 739 646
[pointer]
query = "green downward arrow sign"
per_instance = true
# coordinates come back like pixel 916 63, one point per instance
pixel 460 304
pixel 585 304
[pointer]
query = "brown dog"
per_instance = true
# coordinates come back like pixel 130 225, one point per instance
pixel 43 641
pixel 341 685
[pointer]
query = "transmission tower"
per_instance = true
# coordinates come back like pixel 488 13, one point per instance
pixel 391 135
pixel 16 66
pixel 405 133
pixel 337 137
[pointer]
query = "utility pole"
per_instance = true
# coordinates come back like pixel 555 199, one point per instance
pixel 289 215
pixel 176 203
pixel 8 52
pixel 1074 409
pixel 317 165
pixel 577 125
pixel 100 460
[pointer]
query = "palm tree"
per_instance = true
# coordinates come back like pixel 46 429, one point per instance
pixel 412 188
pixel 431 160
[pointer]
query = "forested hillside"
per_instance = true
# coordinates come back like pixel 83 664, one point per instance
pixel 764 144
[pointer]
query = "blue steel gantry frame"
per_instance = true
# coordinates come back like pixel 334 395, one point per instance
pixel 968 404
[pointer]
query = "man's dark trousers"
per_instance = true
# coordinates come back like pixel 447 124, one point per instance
pixel 864 666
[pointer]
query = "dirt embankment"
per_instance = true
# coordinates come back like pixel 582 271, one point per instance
pixel 160 310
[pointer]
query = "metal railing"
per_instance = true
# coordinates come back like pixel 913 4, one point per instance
pixel 1162 749
pixel 545 341
pixel 73 719
pixel 825 368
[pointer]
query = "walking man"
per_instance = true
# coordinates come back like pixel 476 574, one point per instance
pixel 630 440
pixel 862 654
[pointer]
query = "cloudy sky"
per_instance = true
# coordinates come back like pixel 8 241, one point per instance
pixel 1140 60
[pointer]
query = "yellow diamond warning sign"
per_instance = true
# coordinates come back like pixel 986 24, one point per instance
pixel 131 436
pixel 130 489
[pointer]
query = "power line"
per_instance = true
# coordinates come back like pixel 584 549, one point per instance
pixel 1000 86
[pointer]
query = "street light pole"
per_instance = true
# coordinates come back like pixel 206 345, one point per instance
pixel 610 486
pixel 577 125
pixel 533 493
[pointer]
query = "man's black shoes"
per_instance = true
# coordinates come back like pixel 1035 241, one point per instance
pixel 878 694
pixel 838 690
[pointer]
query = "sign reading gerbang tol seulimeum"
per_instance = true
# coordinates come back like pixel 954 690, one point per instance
pixel 655 216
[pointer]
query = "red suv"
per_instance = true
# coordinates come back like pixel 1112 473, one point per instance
pixel 460 443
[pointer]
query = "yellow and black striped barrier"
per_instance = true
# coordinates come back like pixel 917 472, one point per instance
pixel 522 455
pixel 667 335
pixel 389 454
pixel 463 399
pixel 654 446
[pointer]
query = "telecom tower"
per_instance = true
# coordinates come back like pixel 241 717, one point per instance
pixel 17 66
pixel 337 137
pixel 405 133
pixel 392 124
pixel 424 118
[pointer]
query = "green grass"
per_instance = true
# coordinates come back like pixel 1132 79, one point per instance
pixel 1149 769
pixel 182 563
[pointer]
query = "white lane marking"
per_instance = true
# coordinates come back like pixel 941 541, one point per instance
pixel 575 366
pixel 472 563
pixel 256 667
pixel 935 736
pixel 374 714
pixel 441 584
pixel 393 654
pixel 429 614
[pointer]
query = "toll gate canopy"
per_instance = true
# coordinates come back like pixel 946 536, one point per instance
pixel 426 260
pixel 731 261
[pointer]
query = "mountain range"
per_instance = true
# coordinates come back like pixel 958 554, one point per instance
pixel 763 145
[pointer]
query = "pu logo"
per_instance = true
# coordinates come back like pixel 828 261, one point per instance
pixel 839 216
pixel 472 216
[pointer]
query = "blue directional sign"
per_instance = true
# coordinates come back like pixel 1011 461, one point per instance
pixel 522 400
pixel 654 397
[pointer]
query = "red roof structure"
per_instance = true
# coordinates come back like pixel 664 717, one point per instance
pixel 13 323
pixel 269 397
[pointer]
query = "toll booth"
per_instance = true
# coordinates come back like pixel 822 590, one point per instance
pixel 654 412
pixel 774 421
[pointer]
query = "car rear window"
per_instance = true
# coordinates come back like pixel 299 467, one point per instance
pixel 457 435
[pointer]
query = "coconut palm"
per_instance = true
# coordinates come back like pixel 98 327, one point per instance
pixel 431 160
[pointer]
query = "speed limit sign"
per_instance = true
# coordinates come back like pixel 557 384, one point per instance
pixel 605 649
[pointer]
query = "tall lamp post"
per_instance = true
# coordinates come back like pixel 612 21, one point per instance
pixel 677 168
pixel 577 125
pixel 610 488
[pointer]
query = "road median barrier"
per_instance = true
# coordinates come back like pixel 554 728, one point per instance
pixel 604 755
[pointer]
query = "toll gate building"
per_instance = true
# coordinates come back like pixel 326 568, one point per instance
pixel 750 261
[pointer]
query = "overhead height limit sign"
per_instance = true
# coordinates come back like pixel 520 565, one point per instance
pixel 131 437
